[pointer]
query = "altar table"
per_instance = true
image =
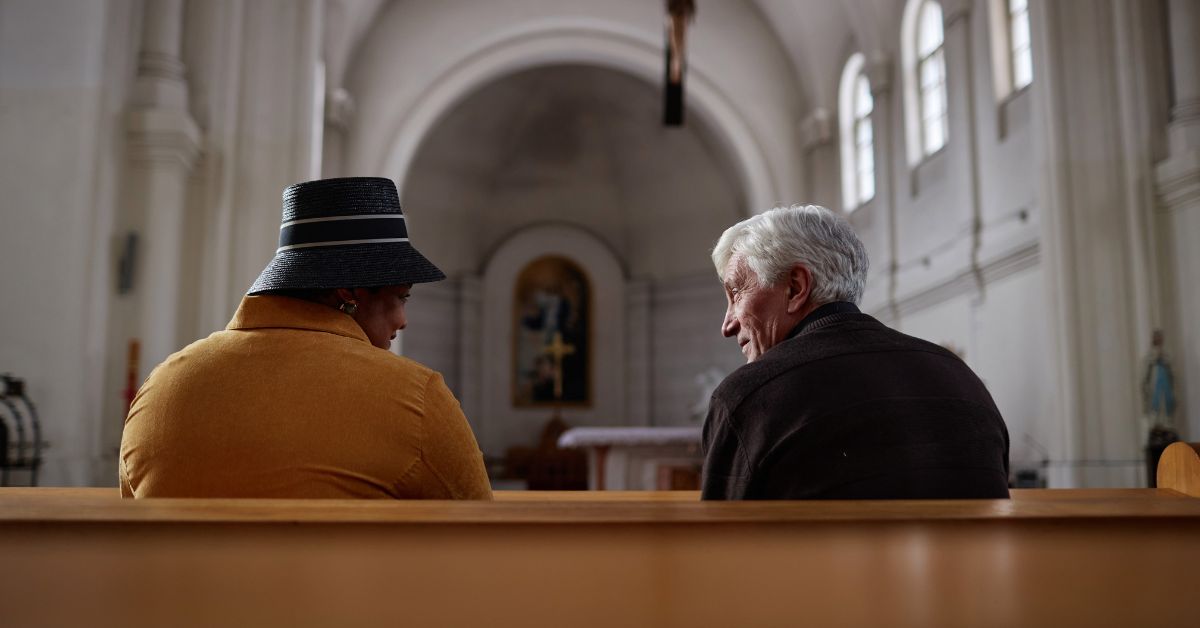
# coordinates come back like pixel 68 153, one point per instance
pixel 638 458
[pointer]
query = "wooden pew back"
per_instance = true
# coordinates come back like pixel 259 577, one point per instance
pixel 1179 468
pixel 84 557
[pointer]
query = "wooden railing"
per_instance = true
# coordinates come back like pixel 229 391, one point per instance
pixel 1125 557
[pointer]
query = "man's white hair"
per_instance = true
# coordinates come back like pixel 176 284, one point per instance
pixel 810 235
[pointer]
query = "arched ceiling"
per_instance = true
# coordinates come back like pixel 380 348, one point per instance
pixel 577 144
pixel 581 138
pixel 817 34
pixel 346 21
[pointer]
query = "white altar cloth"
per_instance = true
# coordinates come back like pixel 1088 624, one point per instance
pixel 635 458
pixel 579 437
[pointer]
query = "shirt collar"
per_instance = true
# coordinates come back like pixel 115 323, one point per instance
pixel 829 309
pixel 276 312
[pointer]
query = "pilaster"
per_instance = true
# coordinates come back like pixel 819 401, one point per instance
pixel 882 278
pixel 1177 182
pixel 1184 20
pixel 163 143
pixel 638 354
pixel 821 173
pixel 1091 264
pixel 470 347
pixel 339 114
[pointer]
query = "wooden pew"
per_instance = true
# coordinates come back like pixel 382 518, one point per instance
pixel 1179 468
pixel 1044 558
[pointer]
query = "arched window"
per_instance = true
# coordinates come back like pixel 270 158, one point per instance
pixel 924 57
pixel 855 105
pixel 1012 50
pixel 1019 43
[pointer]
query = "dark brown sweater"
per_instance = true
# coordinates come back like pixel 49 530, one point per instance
pixel 850 409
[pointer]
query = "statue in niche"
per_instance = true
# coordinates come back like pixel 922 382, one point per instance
pixel 1158 405
pixel 551 335
pixel 706 382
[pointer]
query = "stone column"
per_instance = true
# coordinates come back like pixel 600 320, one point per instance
pixel 638 353
pixel 1185 75
pixel 821 174
pixel 470 348
pixel 1088 171
pixel 339 112
pixel 163 143
pixel 960 50
pixel 878 69
pixel 1178 188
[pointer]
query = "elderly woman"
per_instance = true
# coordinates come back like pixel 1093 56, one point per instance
pixel 299 395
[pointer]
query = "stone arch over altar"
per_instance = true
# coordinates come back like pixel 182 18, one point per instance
pixel 403 96
pixel 743 109
pixel 498 424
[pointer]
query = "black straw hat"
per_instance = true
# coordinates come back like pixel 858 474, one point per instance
pixel 343 233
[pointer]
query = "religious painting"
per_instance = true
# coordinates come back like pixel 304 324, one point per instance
pixel 552 357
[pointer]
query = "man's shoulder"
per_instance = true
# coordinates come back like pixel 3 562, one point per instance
pixel 851 333
pixel 831 337
pixel 749 378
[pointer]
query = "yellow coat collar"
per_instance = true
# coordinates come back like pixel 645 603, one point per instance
pixel 267 312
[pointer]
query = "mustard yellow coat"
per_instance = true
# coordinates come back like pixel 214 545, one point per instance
pixel 291 400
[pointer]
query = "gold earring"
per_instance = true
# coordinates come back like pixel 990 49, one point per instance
pixel 348 307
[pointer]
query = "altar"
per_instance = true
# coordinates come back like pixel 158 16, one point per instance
pixel 639 458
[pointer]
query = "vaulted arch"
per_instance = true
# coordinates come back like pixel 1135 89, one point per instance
pixel 400 94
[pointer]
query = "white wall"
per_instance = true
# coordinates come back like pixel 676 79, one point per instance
pixel 1011 354
pixel 432 335
pixel 961 267
pixel 687 314
pixel 64 68
pixel 1001 335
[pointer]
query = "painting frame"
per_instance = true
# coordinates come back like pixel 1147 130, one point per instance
pixel 552 293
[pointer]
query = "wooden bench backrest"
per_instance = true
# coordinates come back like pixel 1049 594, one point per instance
pixel 662 559
pixel 1179 468
pixel 1083 557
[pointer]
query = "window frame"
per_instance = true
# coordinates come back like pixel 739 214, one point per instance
pixel 935 58
pixel 852 119
pixel 1013 52
pixel 1005 56
pixel 916 99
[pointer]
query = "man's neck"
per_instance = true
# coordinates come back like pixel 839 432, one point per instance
pixel 822 311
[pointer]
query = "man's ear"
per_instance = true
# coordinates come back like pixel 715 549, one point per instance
pixel 799 287
pixel 344 294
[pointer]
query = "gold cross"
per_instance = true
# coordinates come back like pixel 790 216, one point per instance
pixel 558 350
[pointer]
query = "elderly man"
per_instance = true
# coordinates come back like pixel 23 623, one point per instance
pixel 831 403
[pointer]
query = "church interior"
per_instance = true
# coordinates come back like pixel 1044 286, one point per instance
pixel 1025 177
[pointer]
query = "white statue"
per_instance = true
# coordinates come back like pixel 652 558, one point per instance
pixel 1158 385
pixel 706 382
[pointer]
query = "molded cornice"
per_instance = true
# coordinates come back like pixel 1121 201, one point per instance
pixel 1178 180
pixel 165 136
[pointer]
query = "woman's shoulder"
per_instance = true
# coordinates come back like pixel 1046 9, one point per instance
pixel 373 358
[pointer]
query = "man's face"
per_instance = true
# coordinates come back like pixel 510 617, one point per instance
pixel 381 313
pixel 757 315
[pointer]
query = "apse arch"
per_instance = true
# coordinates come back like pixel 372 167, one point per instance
pixel 587 42
pixel 499 423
